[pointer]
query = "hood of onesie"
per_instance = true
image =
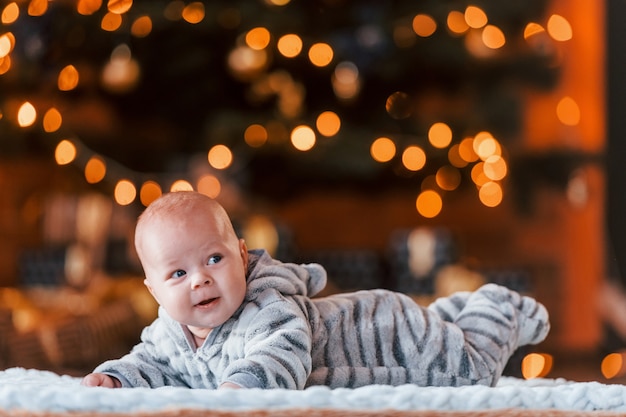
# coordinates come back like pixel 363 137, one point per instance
pixel 289 279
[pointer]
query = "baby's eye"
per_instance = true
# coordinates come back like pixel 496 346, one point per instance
pixel 214 259
pixel 179 273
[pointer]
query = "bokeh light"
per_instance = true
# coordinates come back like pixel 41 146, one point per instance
pixel 258 38
pixel 95 170
pixel 209 185
pixel 383 149
pixel 68 78
pixel 490 194
pixel 37 7
pixel 124 192
pixel 424 25
pixel 568 112
pixel 26 114
pixel 65 152
pixel 321 54
pixel 559 28
pixel 141 27
pixel 10 13
pixel 88 7
pixel 399 105
pixel 220 156
pixel 111 22
pixel 456 22
pixel 612 365
pixel 119 6
pixel 181 185
pixel 150 191
pixel 328 123
pixel 536 365
pixel 448 178
pixel 475 17
pixel 414 158
pixel 52 120
pixel 255 135
pixel 493 37
pixel 303 138
pixel 429 203
pixel 289 45
pixel 440 135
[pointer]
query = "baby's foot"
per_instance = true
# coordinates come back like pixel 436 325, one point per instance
pixel 532 317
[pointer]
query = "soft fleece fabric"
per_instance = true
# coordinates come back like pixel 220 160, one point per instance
pixel 282 338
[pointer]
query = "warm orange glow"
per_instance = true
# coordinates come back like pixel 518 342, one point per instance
pixel 181 185
pixel 194 12
pixel 495 168
pixel 414 158
pixel 290 45
pixel 424 25
pixel 559 28
pixel 52 120
pixel 455 158
pixel 568 111
pixel 10 13
pixel 493 37
pixel 258 38
pixel 486 147
pixel 220 157
pixel 111 22
pixel 440 135
pixel 149 192
pixel 95 170
pixel 475 17
pixel 321 54
pixel 7 41
pixel 478 174
pixel 247 62
pixel 5 64
pixel 88 7
pixel 278 2
pixel 119 6
pixel 26 115
pixel 328 123
pixel 532 29
pixel 209 185
pixel 303 138
pixel 466 150
pixel 255 135
pixel 536 365
pixel 383 149
pixel 68 78
pixel 456 22
pixel 125 192
pixel 613 365
pixel 65 152
pixel 141 27
pixel 429 203
pixel 37 7
pixel 490 194
pixel 448 178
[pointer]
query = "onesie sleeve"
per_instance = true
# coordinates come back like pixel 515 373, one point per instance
pixel 276 344
pixel 147 365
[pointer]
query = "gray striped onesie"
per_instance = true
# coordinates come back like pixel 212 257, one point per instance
pixel 282 338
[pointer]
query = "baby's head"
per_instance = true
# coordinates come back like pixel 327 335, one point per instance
pixel 195 265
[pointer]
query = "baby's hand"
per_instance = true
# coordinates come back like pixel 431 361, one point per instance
pixel 100 380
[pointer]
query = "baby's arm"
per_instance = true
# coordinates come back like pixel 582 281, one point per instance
pixel 100 380
pixel 276 346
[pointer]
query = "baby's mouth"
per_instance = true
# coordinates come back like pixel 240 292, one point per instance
pixel 206 302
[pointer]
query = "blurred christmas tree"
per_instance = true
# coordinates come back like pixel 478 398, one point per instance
pixel 158 81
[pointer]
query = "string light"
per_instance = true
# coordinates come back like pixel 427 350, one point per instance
pixel 481 154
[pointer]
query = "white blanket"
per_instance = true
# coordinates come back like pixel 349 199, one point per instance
pixel 37 390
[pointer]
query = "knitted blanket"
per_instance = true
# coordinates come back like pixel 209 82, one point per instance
pixel 43 393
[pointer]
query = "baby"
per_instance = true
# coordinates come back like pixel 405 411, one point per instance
pixel 233 318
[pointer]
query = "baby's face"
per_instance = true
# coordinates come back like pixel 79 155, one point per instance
pixel 194 272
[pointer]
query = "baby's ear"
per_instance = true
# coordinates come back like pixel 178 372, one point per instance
pixel 147 284
pixel 243 249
